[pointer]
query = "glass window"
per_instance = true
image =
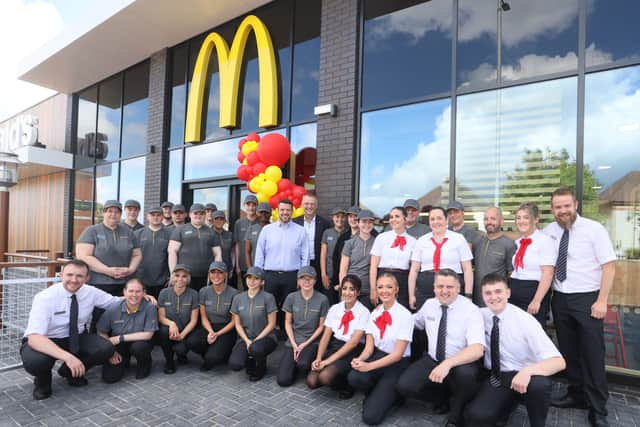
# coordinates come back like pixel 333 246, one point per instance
pixel 405 154
pixel 612 197
pixel 515 145
pixel 303 155
pixel 135 113
pixel 539 37
pixel 83 201
pixel 178 95
pixel 174 187
pixel 87 105
pixel 106 187
pixel 216 159
pixel 612 31
pixel 132 178
pixel 306 59
pixel 401 41
pixel 219 196
pixel 110 102
pixel 476 48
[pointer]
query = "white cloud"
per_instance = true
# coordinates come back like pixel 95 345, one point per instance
pixel 24 26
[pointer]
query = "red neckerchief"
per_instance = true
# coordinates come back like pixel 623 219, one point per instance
pixel 399 241
pixel 347 317
pixel 436 254
pixel 382 321
pixel 522 249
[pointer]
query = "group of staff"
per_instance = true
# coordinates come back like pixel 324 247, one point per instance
pixel 473 363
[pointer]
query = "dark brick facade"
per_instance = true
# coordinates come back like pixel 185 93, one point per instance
pixel 337 85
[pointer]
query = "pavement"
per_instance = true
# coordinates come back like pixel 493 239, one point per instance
pixel 224 398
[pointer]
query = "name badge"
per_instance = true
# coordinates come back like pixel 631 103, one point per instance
pixel 253 233
pixel 188 232
pixel 168 303
pixel 330 238
pixel 208 303
pixel 118 321
pixel 240 307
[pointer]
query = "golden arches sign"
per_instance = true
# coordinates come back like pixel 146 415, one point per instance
pixel 229 65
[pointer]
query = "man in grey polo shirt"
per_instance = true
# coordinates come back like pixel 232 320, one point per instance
pixel 225 238
pixel 129 326
pixel 414 227
pixel 358 251
pixel 131 212
pixel 178 217
pixel 455 214
pixel 166 213
pixel 154 241
pixel 327 247
pixel 493 253
pixel 240 231
pixel 209 209
pixel 253 233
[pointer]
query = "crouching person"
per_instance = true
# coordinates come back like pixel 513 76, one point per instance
pixel 129 326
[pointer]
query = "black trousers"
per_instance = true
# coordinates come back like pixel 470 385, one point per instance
pixel 457 389
pixel 581 342
pixel 289 368
pixel 141 350
pixel 402 276
pixel 379 387
pixel 523 291
pixel 424 288
pixel 115 290
pixel 280 284
pixel 169 347
pixel 258 350
pixel 216 353
pixel 94 350
pixel 494 404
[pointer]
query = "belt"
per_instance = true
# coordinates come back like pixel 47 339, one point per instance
pixel 394 270
pixel 280 271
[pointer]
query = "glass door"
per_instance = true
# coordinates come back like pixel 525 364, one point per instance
pixel 227 196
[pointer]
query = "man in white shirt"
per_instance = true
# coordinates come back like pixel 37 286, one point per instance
pixel 584 274
pixel 455 336
pixel 51 335
pixel 519 359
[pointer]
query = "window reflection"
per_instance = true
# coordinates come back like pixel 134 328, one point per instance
pixel 405 154
pixel 400 45
pixel 178 95
pixel 216 159
pixel 219 196
pixel 612 31
pixel 515 145
pixel 106 187
pixel 306 59
pixel 174 187
pixel 110 102
pixel 612 197
pixel 135 112
pixel 86 126
pixel 83 201
pixel 302 166
pixel 476 48
pixel 132 178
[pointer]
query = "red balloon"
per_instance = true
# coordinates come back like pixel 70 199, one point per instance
pixel 274 149
pixel 241 143
pixel 244 172
pixel 258 168
pixel 240 156
pixel 274 200
pixel 284 184
pixel 253 137
pixel 299 191
pixel 296 201
pixel 253 158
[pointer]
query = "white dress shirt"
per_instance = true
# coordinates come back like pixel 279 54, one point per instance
pixel 310 229
pixel 359 322
pixel 50 309
pixel 541 251
pixel 393 257
pixel 401 328
pixel 464 324
pixel 589 248
pixel 523 342
pixel 453 252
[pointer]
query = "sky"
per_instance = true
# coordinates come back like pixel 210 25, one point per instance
pixel 26 25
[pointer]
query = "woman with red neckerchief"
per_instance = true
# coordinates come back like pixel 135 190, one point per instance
pixel 376 370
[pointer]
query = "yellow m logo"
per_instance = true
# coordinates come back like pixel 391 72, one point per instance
pixel 229 64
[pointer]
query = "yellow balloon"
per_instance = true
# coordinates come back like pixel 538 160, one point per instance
pixel 248 147
pixel 274 214
pixel 269 188
pixel 262 198
pixel 273 173
pixel 244 162
pixel 255 184
pixel 297 212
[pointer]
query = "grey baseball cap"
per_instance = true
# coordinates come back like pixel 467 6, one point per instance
pixel 132 203
pixel 307 270
pixel 182 267
pixel 111 204
pixel 197 207
pixel 251 198
pixel 218 265
pixel 353 210
pixel 264 207
pixel 412 203
pixel 178 207
pixel 154 209
pixel 255 271
pixel 219 214
pixel 455 205
pixel 211 206
pixel 166 204
pixel 366 214
pixel 337 210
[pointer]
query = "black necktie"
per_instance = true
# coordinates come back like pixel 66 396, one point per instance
pixel 495 353
pixel 561 263
pixel 74 337
pixel 442 335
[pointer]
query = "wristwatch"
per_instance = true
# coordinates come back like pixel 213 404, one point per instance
pixel 121 339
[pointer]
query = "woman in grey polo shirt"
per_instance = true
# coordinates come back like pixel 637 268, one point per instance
pixel 305 311
pixel 254 315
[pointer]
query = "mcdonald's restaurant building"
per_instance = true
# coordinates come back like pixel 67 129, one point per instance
pixel 489 102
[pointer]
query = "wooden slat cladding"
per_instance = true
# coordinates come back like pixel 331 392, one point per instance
pixel 36 213
pixel 51 114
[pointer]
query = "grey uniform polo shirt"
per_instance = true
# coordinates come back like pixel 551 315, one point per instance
pixel 178 307
pixel 492 256
pixel 113 248
pixel 330 238
pixel 306 313
pixel 135 227
pixel 118 321
pixel 471 236
pixel 253 312
pixel 217 306
pixel 418 230
pixel 359 253
pixel 253 232
pixel 226 244
pixel 239 232
pixel 195 251
pixel 154 268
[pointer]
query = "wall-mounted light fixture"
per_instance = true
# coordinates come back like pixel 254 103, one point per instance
pixel 321 110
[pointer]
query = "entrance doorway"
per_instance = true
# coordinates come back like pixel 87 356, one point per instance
pixel 227 195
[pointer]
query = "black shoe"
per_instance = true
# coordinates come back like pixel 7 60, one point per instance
pixel 41 389
pixel 143 371
pixel 169 368
pixel 568 401
pixel 441 408
pixel 182 359
pixel 258 372
pixel 451 424
pixel 250 366
pixel 64 371
pixel 206 367
pixel 346 393
pixel 77 382
pixel 597 420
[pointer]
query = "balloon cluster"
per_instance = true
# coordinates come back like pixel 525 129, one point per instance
pixel 261 160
